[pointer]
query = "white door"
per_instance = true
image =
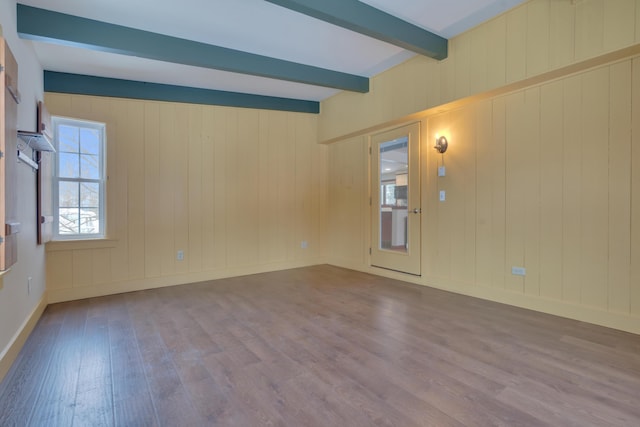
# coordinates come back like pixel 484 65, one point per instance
pixel 395 201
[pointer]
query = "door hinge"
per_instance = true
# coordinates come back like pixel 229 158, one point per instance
pixel 1 68
pixel 1 154
pixel 1 240
pixel 369 150
pixel 370 202
pixel 369 251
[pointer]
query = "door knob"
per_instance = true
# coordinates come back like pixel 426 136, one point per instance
pixel 417 211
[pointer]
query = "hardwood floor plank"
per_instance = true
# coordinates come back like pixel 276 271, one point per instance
pixel 57 398
pixel 94 400
pixel 317 346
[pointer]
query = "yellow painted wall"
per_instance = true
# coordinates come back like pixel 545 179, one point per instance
pixel 542 169
pixel 237 190
pixel 537 37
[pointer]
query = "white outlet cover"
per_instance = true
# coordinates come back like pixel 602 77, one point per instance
pixel 443 195
pixel 442 171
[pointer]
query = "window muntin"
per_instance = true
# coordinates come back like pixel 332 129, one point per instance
pixel 79 179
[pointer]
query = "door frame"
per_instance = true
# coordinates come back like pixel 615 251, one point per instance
pixel 408 262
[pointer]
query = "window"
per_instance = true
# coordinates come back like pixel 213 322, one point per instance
pixel 79 179
pixel 387 193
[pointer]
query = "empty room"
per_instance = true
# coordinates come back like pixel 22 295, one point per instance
pixel 320 213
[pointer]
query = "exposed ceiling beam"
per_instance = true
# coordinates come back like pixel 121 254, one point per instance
pixel 101 86
pixel 362 18
pixel 54 27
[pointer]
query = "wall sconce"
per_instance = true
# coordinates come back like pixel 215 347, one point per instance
pixel 441 144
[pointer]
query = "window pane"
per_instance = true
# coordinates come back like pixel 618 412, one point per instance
pixel 89 195
pixel 68 139
pixel 89 141
pixel 69 221
pixel 89 166
pixel 89 221
pixel 69 165
pixel 68 196
pixel 391 194
pixel 79 178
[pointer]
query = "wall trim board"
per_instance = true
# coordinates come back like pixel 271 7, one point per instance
pixel 10 353
pixel 71 294
pixel 594 316
pixel 547 77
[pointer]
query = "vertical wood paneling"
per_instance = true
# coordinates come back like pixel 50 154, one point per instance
pixel 152 222
pixel 595 162
pixel 102 260
pixel 134 132
pixel 246 249
pixel 635 190
pixel 551 186
pixel 207 183
pixel 347 175
pixel 571 190
pixel 433 95
pixel 221 142
pixel 429 182
pixel 303 182
pixel 530 140
pixel 516 59
pixel 561 33
pixel 181 216
pixel 469 191
pixel 229 187
pixel 589 28
pixel 620 162
pixel 82 268
pixel 233 172
pixel 498 184
pixel 168 186
pixel 496 51
pixel 537 37
pixel 442 211
pixel 462 71
pixel 516 167
pixel 637 26
pixel 60 269
pixel 288 179
pixel 484 194
pixel 619 23
pixel 479 61
pixel 117 169
pixel 447 78
pixel 194 186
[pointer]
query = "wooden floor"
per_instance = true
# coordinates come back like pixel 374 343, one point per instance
pixel 319 346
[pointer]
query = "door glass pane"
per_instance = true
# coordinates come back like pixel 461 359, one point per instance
pixel 393 195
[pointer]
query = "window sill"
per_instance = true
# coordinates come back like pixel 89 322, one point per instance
pixel 68 245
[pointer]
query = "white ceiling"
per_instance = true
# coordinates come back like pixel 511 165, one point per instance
pixel 254 26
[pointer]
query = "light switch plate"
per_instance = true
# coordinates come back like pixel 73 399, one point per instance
pixel 443 195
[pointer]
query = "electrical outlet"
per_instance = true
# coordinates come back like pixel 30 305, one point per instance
pixel 518 271
pixel 443 195
pixel 180 256
pixel 442 171
pixel 28 285
pixel 304 244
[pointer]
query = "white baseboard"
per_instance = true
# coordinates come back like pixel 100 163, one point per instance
pixel 10 353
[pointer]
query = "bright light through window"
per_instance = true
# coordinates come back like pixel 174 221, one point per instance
pixel 79 179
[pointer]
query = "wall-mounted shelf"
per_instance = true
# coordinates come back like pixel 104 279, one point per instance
pixel 36 141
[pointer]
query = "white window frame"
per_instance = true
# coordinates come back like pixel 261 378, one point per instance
pixel 101 127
